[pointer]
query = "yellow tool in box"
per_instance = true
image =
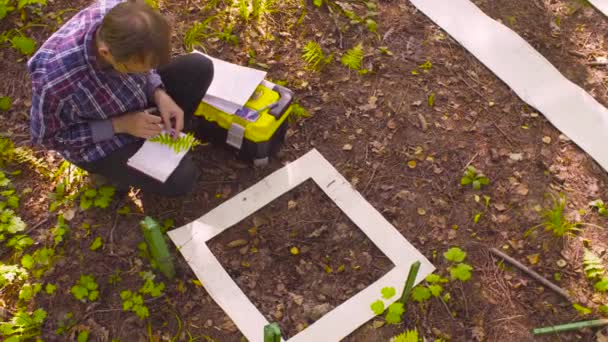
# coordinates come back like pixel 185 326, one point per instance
pixel 257 129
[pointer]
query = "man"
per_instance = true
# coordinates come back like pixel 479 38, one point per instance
pixel 93 81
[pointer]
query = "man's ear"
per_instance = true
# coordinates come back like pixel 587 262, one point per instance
pixel 104 51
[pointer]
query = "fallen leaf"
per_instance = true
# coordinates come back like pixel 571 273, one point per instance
pixel 500 206
pixel 421 211
pixel 391 124
pixel 417 103
pixel 292 204
pixel 68 214
pixel 561 263
pixel 411 164
pixel 347 147
pixel 478 332
pixel 522 189
pixel 547 139
pixel 516 156
pixel 294 250
pixel 237 243
pixel 378 324
pixel 533 258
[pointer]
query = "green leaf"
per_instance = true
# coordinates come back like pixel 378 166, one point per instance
pixel 465 181
pixel 79 292
pixel 353 57
pixel 85 203
pixel 461 272
pixel 388 292
pixel 431 100
pixel 435 290
pixel 23 44
pixel 477 217
pixel 581 309
pixel 83 336
pixel 421 294
pixel 126 305
pixel 433 278
pixel 93 295
pixel 483 180
pixel 96 244
pixel 371 25
pixel 90 193
pixel 476 184
pixel 5 103
pixel 394 313
pixel 602 285
pixel 455 254
pixel 126 294
pixel 378 307
pixel 318 3
pixel 39 315
pixel 603 309
pixel 27 261
pixel 124 210
pixel 50 288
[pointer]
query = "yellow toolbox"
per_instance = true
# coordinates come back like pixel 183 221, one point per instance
pixel 255 131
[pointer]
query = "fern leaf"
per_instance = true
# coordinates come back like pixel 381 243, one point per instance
pixel 313 55
pixel 26 156
pixel 196 33
pixel 593 265
pixel 353 57
pixel 181 144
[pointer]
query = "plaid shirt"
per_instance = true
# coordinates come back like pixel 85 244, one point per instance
pixel 73 98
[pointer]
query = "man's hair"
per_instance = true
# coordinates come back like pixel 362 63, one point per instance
pixel 132 29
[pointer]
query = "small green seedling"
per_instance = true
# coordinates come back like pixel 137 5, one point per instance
pixel 99 198
pixel 592 265
pixel 599 205
pixel 459 270
pixel 474 177
pixel 555 220
pixel 85 289
pixel 29 291
pixel 134 302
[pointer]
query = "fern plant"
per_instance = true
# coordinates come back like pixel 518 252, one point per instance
pixel 27 3
pixel 592 264
pixel 353 57
pixel 197 33
pixel 181 144
pixel 407 336
pixel 314 57
pixel 24 155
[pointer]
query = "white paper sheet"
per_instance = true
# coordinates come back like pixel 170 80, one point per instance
pixel 156 160
pixel 574 112
pixel 601 5
pixel 232 84
pixel 191 240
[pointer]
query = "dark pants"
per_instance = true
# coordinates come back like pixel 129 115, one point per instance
pixel 186 80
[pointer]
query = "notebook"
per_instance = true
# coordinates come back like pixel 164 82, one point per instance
pixel 232 85
pixel 156 160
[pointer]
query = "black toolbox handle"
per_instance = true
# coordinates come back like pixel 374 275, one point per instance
pixel 284 101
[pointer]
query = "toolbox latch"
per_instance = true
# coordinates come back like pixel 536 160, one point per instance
pixel 235 135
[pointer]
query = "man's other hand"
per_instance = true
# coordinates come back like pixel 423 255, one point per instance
pixel 169 110
pixel 139 124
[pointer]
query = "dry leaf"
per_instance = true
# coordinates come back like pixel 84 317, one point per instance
pixel 237 243
pixel 561 263
pixel 378 324
pixel 547 139
pixel 292 204
pixel 522 189
pixel 533 258
pixel 421 211
pixel 392 124
pixel 294 250
pixel 347 147
pixel 411 164
pixel 516 156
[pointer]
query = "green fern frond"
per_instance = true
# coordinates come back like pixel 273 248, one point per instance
pixel 26 156
pixel 313 55
pixel 181 144
pixel 593 266
pixel 407 336
pixel 197 33
pixel 353 57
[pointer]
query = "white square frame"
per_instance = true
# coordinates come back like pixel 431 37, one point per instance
pixel 191 239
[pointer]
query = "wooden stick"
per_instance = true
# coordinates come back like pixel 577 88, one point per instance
pixel 533 274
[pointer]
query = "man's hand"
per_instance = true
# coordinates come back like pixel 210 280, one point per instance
pixel 169 110
pixel 139 124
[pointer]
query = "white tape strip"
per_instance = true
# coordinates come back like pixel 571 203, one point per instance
pixel 568 107
pixel 601 5
pixel 191 240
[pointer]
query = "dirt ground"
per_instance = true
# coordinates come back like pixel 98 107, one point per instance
pixel 385 118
